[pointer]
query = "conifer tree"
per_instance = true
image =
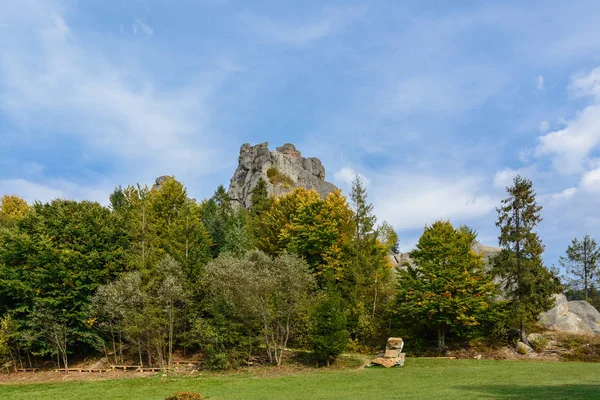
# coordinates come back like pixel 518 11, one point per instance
pixel 582 262
pixel 368 287
pixel 527 284
pixel 259 198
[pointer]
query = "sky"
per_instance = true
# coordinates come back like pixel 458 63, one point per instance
pixel 437 105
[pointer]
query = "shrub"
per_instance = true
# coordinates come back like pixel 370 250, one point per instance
pixel 539 344
pixel 278 178
pixel 185 396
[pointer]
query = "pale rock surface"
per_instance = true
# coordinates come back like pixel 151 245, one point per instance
pixel 586 312
pixel 522 348
pixel 563 317
pixel 255 161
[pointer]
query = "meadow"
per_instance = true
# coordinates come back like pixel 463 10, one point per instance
pixel 419 379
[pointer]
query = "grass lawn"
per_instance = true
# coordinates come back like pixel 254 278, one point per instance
pixel 419 379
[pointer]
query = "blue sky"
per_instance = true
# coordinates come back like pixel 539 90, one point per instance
pixel 436 104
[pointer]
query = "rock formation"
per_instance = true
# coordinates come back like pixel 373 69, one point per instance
pixel 283 169
pixel 393 355
pixel 572 317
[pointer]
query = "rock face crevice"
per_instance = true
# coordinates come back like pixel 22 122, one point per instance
pixel 254 163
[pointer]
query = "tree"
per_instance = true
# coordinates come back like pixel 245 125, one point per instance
pixel 388 237
pixel 238 239
pixel 329 336
pixel 318 230
pixel 364 219
pixel 368 284
pixel 171 294
pixel 582 262
pixel 269 292
pixel 259 198
pixel 527 284
pixel 216 215
pixel 447 286
pixel 54 259
pixel 12 208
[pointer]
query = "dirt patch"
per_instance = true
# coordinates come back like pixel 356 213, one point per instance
pixel 289 367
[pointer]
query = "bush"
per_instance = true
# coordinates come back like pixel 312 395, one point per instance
pixel 185 396
pixel 539 344
pixel 278 178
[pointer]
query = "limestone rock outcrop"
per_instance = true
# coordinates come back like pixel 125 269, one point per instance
pixel 578 317
pixel 285 162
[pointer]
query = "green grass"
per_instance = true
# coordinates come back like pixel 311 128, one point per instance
pixel 419 379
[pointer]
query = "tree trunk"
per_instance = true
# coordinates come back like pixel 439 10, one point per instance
pixel 522 333
pixel 441 338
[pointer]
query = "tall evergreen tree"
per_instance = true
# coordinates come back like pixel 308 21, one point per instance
pixel 259 198
pixel 368 288
pixel 582 262
pixel 363 210
pixel 528 285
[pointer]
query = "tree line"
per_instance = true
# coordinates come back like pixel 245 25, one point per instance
pixel 157 273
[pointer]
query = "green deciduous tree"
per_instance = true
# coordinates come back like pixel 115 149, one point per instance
pixel 12 208
pixel 447 286
pixel 582 262
pixel 270 293
pixel 53 260
pixel 318 230
pixel 527 284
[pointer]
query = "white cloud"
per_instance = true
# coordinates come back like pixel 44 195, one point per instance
pixel 53 189
pixel 544 126
pixel 347 175
pixel 590 181
pixel 505 176
pixel 586 84
pixel 539 82
pixel 411 201
pixel 332 22
pixel 572 145
pixel 53 81
pixel 565 194
pixel 139 24
pixel 28 190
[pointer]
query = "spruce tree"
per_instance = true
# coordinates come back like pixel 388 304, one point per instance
pixel 259 198
pixel 527 284
pixel 368 289
pixel 582 262
pixel 329 337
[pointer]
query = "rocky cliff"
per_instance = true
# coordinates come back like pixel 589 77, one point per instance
pixel 283 169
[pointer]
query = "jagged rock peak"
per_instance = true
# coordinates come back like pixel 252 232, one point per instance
pixel 283 169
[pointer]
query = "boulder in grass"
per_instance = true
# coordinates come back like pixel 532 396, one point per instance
pixel 389 362
pixel 393 355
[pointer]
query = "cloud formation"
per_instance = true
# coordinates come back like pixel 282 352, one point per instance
pixel 571 146
pixel 140 25
pixel 331 22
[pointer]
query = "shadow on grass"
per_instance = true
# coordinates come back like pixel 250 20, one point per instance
pixel 583 391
